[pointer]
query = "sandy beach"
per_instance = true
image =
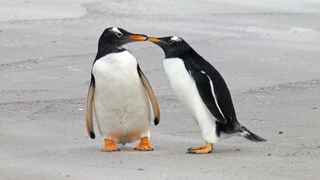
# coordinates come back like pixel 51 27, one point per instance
pixel 267 51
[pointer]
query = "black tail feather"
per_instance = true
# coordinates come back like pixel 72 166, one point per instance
pixel 244 132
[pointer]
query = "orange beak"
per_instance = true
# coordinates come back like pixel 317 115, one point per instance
pixel 155 40
pixel 138 37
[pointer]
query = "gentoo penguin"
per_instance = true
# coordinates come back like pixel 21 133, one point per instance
pixel 120 94
pixel 203 91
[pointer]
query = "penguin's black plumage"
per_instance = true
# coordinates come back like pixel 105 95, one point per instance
pixel 186 69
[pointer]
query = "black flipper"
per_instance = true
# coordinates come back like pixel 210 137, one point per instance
pixel 204 88
pixel 152 97
pixel 213 90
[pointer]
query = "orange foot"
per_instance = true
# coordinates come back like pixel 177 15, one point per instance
pixel 109 146
pixel 144 145
pixel 207 148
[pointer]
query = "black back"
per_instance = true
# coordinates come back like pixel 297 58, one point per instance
pixel 204 73
pixel 201 71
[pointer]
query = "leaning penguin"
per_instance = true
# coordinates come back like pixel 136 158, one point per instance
pixel 120 95
pixel 203 91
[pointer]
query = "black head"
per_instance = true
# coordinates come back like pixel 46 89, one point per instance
pixel 172 46
pixel 119 37
pixel 112 39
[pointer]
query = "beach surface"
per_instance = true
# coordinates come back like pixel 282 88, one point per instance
pixel 267 51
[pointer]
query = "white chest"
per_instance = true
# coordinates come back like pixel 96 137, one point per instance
pixel 115 64
pixel 120 101
pixel 185 88
pixel 181 81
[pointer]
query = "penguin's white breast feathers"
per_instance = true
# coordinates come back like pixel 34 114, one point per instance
pixel 185 88
pixel 183 84
pixel 120 101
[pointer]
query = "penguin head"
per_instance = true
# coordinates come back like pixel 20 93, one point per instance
pixel 119 37
pixel 172 46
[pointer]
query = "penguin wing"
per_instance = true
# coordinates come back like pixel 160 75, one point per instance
pixel 207 94
pixel 152 97
pixel 89 120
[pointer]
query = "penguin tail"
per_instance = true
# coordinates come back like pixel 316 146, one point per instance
pixel 244 132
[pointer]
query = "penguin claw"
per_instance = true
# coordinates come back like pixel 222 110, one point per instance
pixel 199 151
pixel 194 148
pixel 146 148
pixel 206 149
pixel 109 150
pixel 189 149
pixel 109 146
pixel 144 145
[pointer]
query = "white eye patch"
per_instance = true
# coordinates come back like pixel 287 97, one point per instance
pixel 116 30
pixel 175 38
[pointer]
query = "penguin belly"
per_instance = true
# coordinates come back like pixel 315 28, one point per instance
pixel 186 90
pixel 121 103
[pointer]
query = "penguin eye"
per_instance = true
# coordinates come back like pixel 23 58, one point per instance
pixel 171 41
pixel 118 34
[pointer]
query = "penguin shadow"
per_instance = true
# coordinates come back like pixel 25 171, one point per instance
pixel 128 149
pixel 158 150
pixel 226 150
pixel 236 150
pixel 169 147
pixel 221 150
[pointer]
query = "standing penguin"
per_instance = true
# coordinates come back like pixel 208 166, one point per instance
pixel 201 88
pixel 120 94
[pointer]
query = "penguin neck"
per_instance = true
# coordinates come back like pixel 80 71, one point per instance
pixel 189 52
pixel 108 49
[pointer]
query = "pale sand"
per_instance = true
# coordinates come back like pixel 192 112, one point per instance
pixel 268 52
